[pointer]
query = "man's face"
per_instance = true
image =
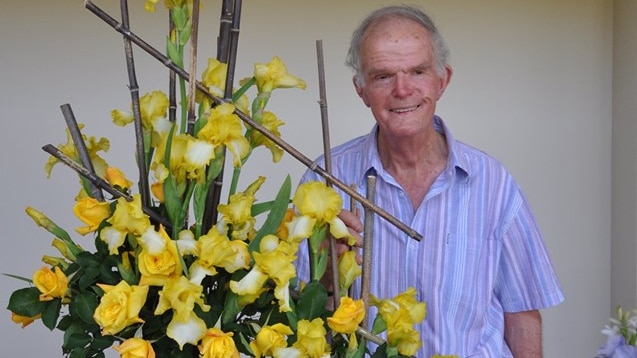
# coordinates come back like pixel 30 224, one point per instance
pixel 401 85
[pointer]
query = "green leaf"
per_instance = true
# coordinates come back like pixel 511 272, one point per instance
pixel 379 325
pixel 179 17
pixel 312 301
pixel 238 93
pixel 83 306
pixel 173 202
pixel 26 302
pixel 276 215
pixel 173 52
pixel 102 342
pixel 359 352
pixel 184 34
pixel 51 313
pixel 18 277
pixel 231 308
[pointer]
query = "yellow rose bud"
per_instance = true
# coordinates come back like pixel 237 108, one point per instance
pixel 116 177
pixel 91 212
pixel 218 344
pixel 24 321
pixel 51 284
pixel 348 269
pixel 63 249
pixel 136 348
pixel 119 307
pixel 55 261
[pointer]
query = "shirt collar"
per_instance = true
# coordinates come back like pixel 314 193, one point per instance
pixel 456 163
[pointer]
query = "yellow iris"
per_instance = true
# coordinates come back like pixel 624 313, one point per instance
pixel 93 146
pixel 272 123
pixel 224 128
pixel 275 261
pixel 275 75
pixel 400 314
pixel 319 202
pixel 181 295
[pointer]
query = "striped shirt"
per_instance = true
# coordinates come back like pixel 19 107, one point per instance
pixel 481 254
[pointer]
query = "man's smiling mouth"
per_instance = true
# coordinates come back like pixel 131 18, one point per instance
pixel 405 110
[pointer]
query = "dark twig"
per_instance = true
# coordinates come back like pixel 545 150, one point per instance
pixel 258 127
pixel 101 183
pixel 328 165
pixel 134 92
pixel 80 146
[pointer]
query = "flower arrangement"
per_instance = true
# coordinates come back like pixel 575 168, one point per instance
pixel 622 335
pixel 175 272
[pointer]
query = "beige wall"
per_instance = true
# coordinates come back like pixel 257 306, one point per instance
pixel 533 86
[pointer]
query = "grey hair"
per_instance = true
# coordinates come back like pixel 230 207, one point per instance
pixel 441 52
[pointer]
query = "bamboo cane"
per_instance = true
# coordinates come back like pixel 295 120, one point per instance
pixel 227 47
pixel 368 248
pixel 134 92
pixel 80 146
pixel 261 129
pixel 336 287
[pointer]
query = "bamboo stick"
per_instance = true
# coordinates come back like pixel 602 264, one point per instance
pixel 247 119
pixel 80 146
pixel 227 47
pixel 368 246
pixel 134 92
pixel 336 287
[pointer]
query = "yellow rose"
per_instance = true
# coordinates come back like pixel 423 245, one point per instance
pixel 218 344
pixel 347 316
pixel 91 212
pixel 116 177
pixel 311 338
pixel 119 307
pixel 51 284
pixel 136 348
pixel 24 321
pixel 269 339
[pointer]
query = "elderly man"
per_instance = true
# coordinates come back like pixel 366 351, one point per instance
pixel 482 268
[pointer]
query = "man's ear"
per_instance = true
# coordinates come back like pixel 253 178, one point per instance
pixel 359 90
pixel 444 81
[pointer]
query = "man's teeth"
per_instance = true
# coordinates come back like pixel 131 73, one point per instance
pixel 403 110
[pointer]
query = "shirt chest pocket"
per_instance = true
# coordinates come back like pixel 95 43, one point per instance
pixel 468 269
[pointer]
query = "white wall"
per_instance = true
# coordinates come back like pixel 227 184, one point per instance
pixel 532 86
